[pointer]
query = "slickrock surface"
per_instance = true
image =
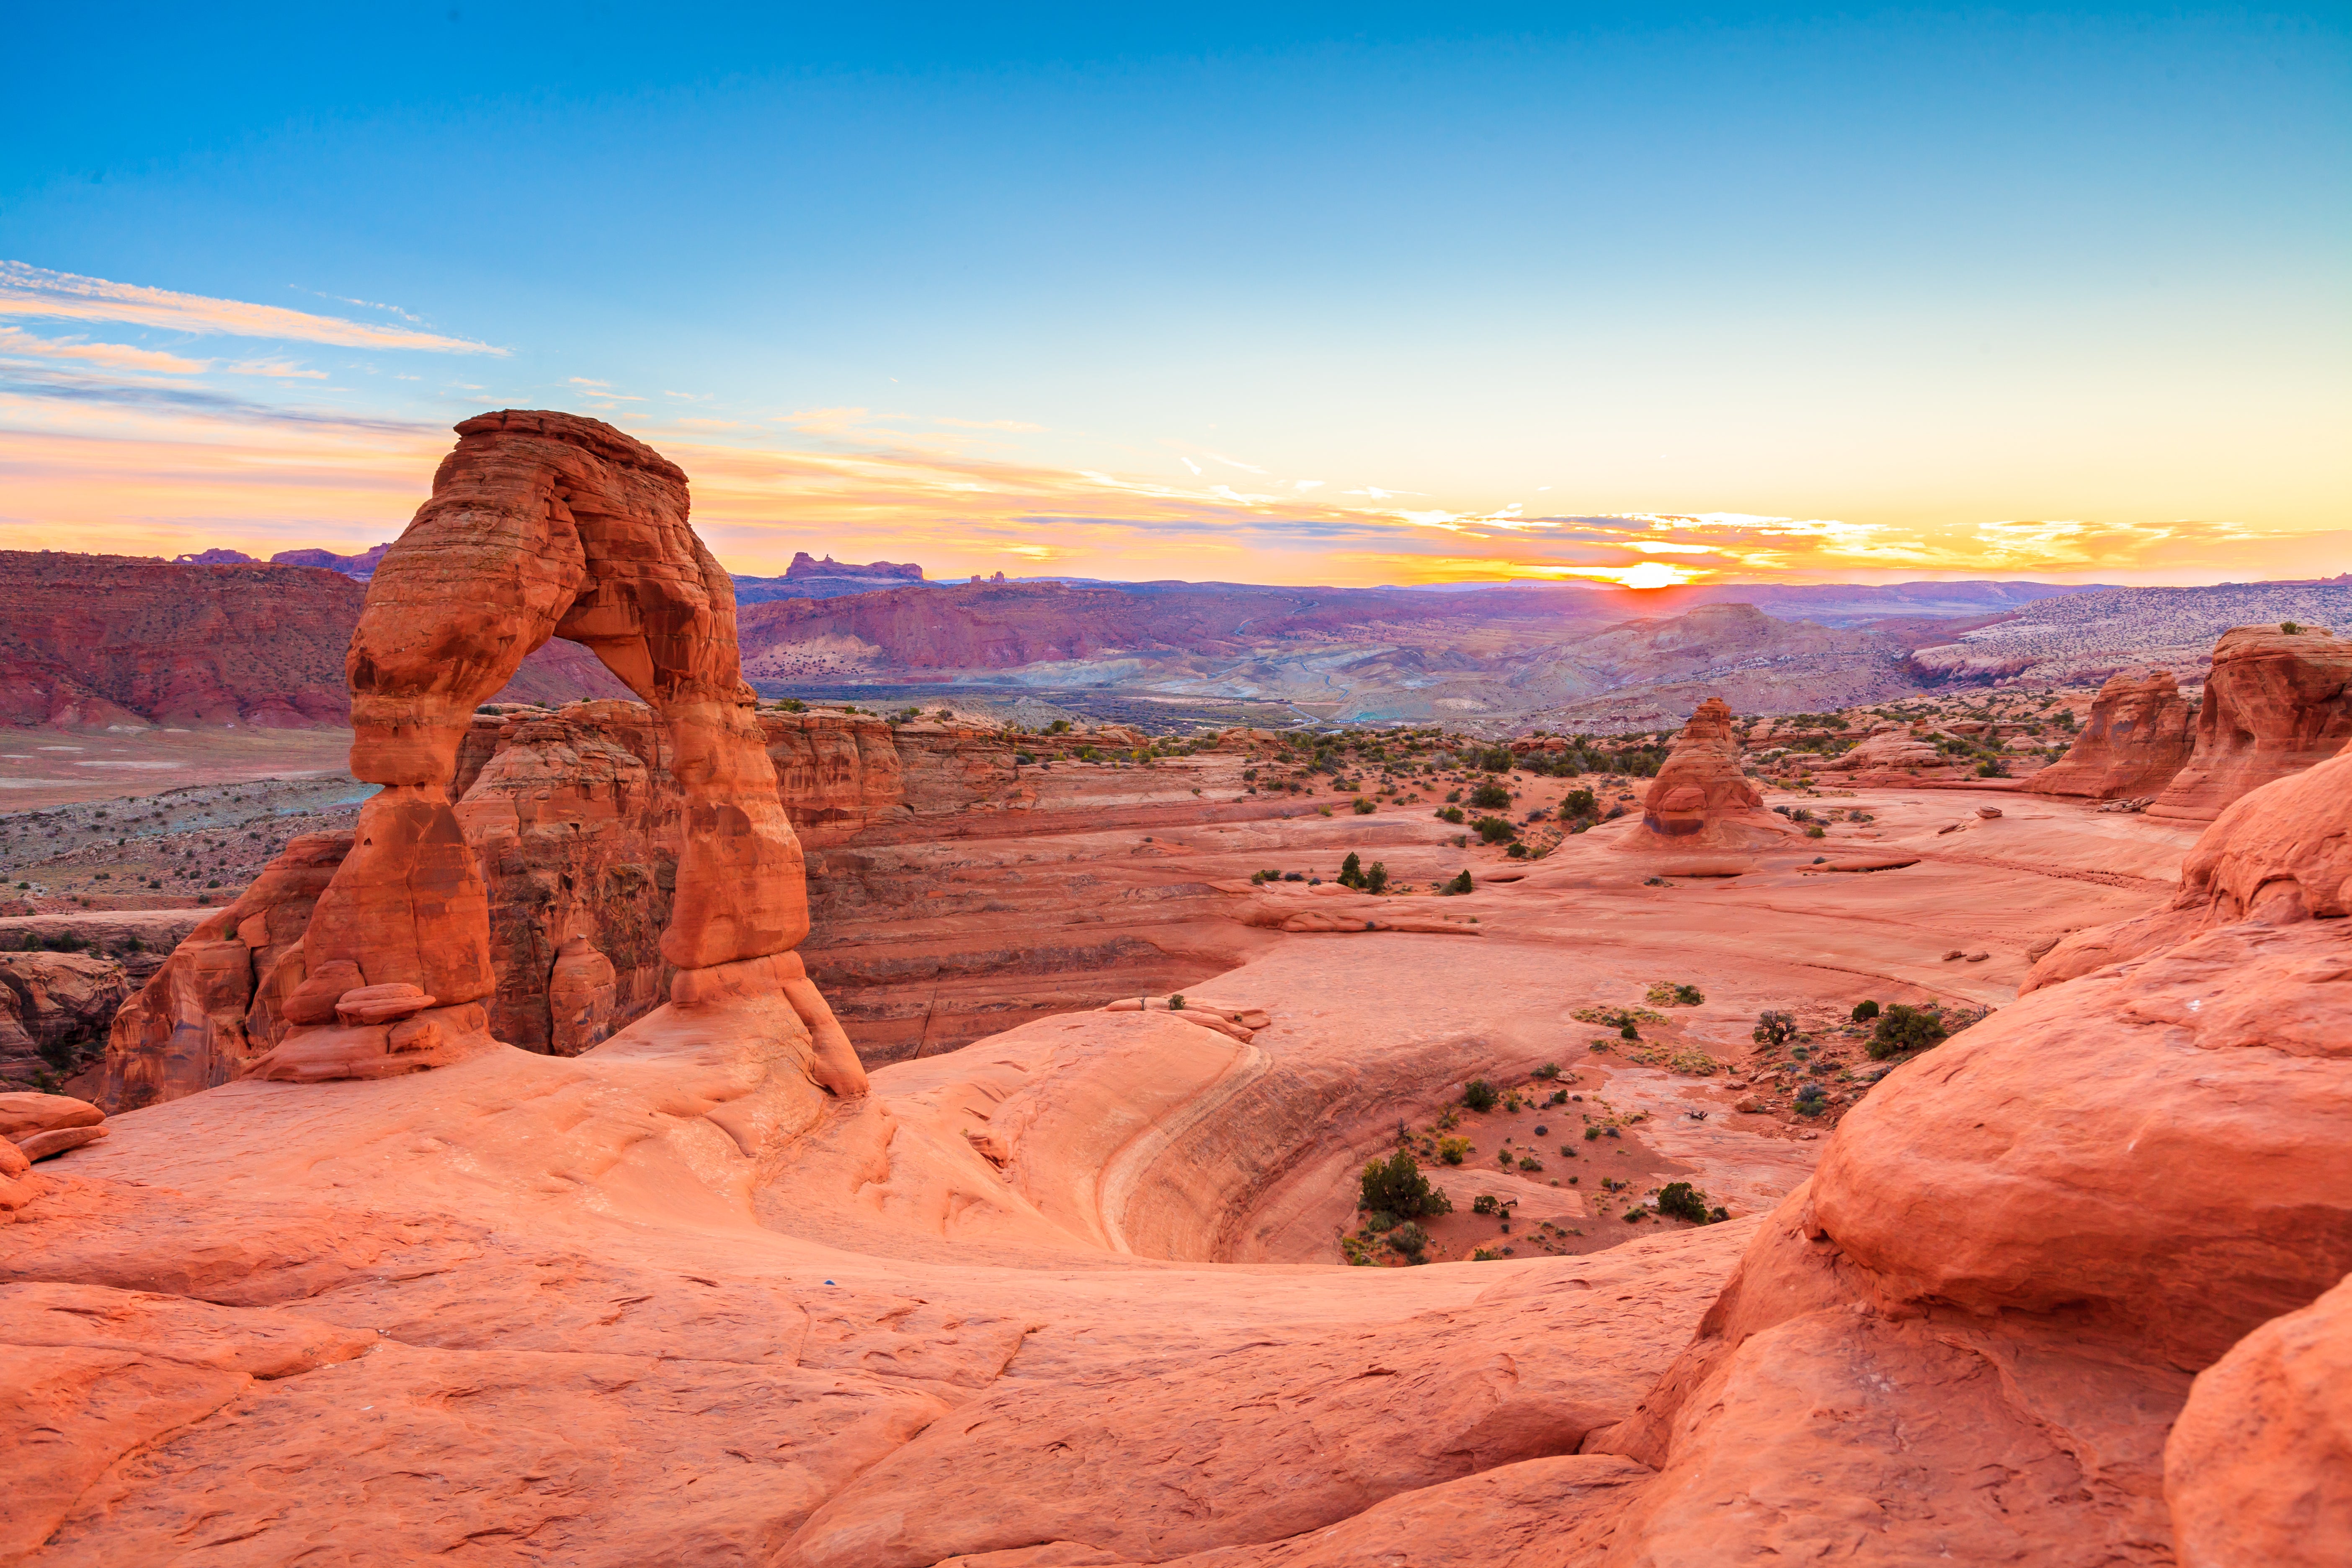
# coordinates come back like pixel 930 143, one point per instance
pixel 2139 735
pixel 2275 704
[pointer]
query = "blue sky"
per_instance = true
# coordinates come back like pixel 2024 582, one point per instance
pixel 1379 295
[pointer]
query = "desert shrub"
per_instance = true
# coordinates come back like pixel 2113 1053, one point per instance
pixel 1484 1255
pixel 1479 1095
pixel 1774 1028
pixel 1452 1151
pixel 1494 760
pixel 1627 1031
pixel 1395 1185
pixel 1865 1011
pixel 1578 803
pixel 1558 1097
pixel 1529 1163
pixel 1904 1029
pixel 1485 1202
pixel 1517 851
pixel 1410 1239
pixel 1590 1133
pixel 1993 768
pixel 1817 831
pixel 1376 877
pixel 1449 813
pixel 1635 1215
pixel 1379 1220
pixel 2290 628
pixel 1024 756
pixel 1461 884
pixel 1351 870
pixel 1549 1069
pixel 1490 796
pixel 1494 830
pixel 1663 994
pixel 1811 1100
pixel 1680 1200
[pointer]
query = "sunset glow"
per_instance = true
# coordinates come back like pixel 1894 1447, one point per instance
pixel 1663 340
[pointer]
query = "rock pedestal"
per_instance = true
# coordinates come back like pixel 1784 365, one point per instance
pixel 1700 799
pixel 2139 735
pixel 2276 703
pixel 541 524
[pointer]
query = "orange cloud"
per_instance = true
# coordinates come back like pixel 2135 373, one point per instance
pixel 36 292
pixel 118 357
pixel 159 478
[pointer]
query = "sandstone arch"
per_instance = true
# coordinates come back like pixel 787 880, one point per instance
pixel 546 524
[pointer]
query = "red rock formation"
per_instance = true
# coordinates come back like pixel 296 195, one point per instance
pixel 576 818
pixel 2275 703
pixel 806 565
pixel 2282 853
pixel 2259 1466
pixel 2016 1250
pixel 53 1012
pixel 217 1002
pixel 2137 738
pixel 540 525
pixel 94 640
pixel 1700 799
pixel 103 639
pixel 835 773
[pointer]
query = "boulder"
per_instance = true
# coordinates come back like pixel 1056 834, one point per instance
pixel 2138 736
pixel 2259 1466
pixel 2276 703
pixel 57 1141
pixel 22 1115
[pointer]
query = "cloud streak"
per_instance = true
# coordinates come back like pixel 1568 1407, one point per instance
pixel 36 292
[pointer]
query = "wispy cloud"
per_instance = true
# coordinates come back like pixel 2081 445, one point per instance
pixel 31 293
pixel 1013 425
pixel 120 356
pixel 277 369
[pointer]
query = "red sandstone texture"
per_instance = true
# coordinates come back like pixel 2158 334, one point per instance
pixel 2138 736
pixel 2275 703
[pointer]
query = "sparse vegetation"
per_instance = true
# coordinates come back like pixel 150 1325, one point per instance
pixel 1774 1028
pixel 1680 1200
pixel 1865 1011
pixel 1904 1029
pixel 1396 1186
pixel 1479 1095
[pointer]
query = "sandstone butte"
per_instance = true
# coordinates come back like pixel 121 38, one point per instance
pixel 1701 800
pixel 2275 703
pixel 2067 1288
pixel 2139 735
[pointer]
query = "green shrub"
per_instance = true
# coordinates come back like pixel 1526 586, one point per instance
pixel 1549 1069
pixel 1680 1200
pixel 1494 830
pixel 1817 832
pixel 1590 1133
pixel 1363 808
pixel 1863 1012
pixel 1376 877
pixel 1452 1151
pixel 1485 1202
pixel 1904 1029
pixel 1578 802
pixel 1395 1185
pixel 1773 1028
pixel 2289 627
pixel 1410 1239
pixel 1480 1095
pixel 1490 796
pixel 1351 870
pixel 1461 884
pixel 1627 1031
pixel 1529 1163
pixel 1449 813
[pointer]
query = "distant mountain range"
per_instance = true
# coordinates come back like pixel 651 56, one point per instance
pixel 219 638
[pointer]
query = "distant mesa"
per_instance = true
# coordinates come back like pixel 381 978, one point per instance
pixel 805 565
pixel 361 567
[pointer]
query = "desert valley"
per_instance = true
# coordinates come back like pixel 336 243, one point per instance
pixel 522 1046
